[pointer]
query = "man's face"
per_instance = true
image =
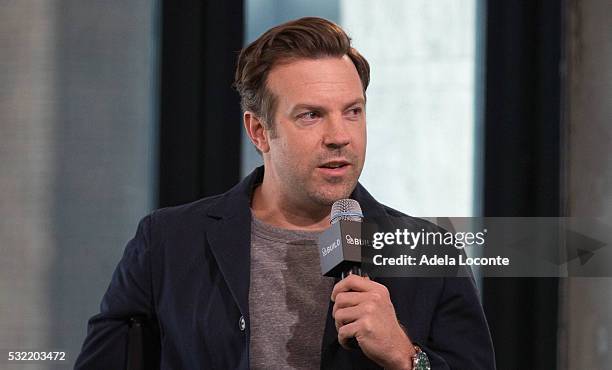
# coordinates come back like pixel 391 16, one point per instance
pixel 318 149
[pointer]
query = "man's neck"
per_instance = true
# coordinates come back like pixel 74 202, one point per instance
pixel 272 209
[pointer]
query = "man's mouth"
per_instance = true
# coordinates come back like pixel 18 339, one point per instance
pixel 335 168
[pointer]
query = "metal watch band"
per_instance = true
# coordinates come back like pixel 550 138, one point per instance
pixel 420 361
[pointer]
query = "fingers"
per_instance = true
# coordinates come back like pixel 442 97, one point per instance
pixel 359 330
pixel 364 312
pixel 347 299
pixel 354 283
pixel 346 316
pixel 346 332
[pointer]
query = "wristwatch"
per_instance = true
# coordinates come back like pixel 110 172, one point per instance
pixel 420 361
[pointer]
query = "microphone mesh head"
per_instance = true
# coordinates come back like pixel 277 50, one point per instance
pixel 346 209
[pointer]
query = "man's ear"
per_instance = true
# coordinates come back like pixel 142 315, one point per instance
pixel 256 131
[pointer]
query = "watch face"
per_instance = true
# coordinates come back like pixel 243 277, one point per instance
pixel 421 362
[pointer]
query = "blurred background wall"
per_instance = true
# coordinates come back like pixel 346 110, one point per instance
pixel 78 98
pixel 586 318
pixel 110 109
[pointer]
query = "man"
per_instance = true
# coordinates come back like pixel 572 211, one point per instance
pixel 233 281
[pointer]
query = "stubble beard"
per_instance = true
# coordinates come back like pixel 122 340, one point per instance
pixel 325 193
pixel 308 190
pixel 328 198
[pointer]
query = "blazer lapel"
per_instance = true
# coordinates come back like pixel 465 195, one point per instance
pixel 230 243
pixel 230 239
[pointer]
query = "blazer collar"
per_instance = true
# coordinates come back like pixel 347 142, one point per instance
pixel 236 201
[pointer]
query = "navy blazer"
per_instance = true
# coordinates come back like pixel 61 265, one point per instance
pixel 187 271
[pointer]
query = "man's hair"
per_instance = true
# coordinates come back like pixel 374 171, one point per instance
pixel 308 37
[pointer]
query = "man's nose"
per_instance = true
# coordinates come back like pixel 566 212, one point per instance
pixel 336 133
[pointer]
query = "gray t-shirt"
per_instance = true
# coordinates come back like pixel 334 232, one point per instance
pixel 288 298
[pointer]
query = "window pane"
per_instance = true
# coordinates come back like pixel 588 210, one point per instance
pixel 420 102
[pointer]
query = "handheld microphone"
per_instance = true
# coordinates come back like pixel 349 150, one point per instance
pixel 340 245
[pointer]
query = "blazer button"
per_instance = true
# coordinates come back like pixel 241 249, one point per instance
pixel 241 323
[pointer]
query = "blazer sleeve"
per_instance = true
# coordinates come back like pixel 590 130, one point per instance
pixel 459 335
pixel 128 295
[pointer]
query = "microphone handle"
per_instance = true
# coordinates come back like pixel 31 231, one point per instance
pixel 354 270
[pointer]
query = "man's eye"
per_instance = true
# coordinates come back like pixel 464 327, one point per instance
pixel 354 112
pixel 309 116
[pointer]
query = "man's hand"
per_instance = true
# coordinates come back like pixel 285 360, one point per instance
pixel 363 309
